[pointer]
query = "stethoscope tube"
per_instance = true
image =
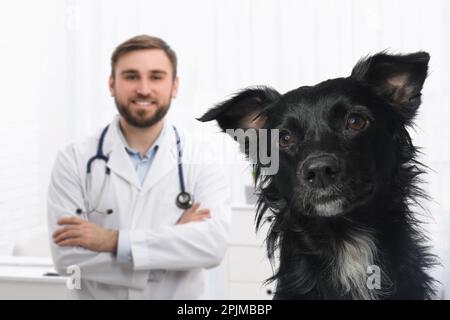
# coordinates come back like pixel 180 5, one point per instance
pixel 99 155
pixel 184 200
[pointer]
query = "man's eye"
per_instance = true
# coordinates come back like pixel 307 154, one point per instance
pixel 286 139
pixel 356 122
pixel 131 77
pixel 156 77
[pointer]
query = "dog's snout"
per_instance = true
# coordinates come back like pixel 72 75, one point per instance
pixel 320 172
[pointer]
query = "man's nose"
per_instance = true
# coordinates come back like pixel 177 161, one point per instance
pixel 144 88
pixel 321 171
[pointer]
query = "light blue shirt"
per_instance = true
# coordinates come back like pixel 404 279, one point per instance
pixel 142 165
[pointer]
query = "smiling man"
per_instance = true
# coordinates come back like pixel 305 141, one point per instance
pixel 121 206
pixel 143 104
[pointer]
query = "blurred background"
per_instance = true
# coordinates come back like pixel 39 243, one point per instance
pixel 55 63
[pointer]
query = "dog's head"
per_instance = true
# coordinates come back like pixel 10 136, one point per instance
pixel 340 141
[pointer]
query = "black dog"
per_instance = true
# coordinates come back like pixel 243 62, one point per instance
pixel 347 176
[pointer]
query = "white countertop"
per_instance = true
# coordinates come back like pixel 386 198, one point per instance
pixel 28 269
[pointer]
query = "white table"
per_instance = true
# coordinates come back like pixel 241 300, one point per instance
pixel 24 278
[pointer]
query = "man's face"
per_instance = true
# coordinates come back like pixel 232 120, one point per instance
pixel 143 86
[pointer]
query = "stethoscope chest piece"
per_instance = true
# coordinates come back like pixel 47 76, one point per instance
pixel 184 200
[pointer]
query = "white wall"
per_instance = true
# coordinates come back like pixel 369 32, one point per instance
pixel 55 64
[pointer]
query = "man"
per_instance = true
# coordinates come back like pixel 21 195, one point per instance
pixel 112 208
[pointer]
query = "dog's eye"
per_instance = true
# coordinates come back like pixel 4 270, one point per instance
pixel 286 139
pixel 356 122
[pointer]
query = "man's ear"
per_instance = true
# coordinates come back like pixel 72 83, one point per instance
pixel 396 78
pixel 244 110
pixel 175 86
pixel 111 86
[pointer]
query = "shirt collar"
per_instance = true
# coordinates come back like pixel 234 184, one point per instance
pixel 134 152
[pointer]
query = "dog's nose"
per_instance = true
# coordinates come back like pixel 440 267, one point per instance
pixel 320 172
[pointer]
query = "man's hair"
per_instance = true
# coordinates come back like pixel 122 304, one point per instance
pixel 143 42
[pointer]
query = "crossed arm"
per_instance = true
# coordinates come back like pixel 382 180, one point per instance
pixel 88 235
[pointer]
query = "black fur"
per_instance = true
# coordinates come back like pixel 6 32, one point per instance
pixel 348 175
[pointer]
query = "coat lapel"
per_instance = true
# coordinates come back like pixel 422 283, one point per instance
pixel 165 159
pixel 119 161
pixel 121 164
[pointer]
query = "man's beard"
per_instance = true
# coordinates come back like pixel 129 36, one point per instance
pixel 139 119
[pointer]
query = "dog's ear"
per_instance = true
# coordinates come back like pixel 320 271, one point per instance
pixel 396 78
pixel 244 110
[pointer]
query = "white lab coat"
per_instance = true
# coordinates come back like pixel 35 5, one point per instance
pixel 168 260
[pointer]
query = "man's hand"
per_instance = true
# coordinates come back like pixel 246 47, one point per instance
pixel 77 232
pixel 193 214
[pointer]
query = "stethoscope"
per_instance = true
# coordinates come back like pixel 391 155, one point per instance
pixel 184 200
